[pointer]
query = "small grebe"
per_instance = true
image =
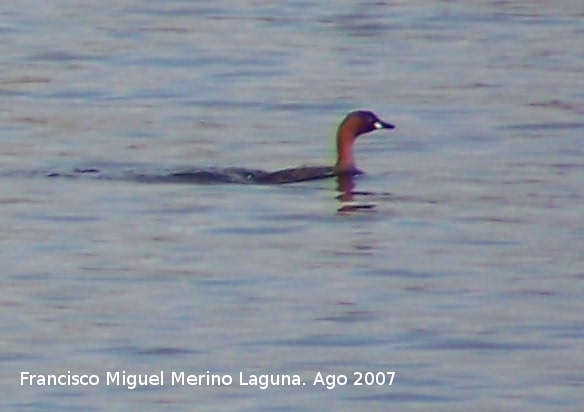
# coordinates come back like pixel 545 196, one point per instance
pixel 354 125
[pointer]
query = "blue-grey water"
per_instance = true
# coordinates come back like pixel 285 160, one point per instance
pixel 458 264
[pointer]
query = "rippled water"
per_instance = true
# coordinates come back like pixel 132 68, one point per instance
pixel 458 263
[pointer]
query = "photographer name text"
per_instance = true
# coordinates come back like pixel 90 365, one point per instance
pixel 162 378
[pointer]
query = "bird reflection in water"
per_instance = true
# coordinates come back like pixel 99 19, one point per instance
pixel 347 195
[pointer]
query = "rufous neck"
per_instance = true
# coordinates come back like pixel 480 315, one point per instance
pixel 345 156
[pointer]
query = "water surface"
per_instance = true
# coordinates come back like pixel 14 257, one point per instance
pixel 457 263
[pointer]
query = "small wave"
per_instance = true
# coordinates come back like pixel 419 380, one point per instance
pixel 231 175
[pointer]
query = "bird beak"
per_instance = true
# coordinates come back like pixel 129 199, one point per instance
pixel 380 124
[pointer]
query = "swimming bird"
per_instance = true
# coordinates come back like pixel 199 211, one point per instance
pixel 353 125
